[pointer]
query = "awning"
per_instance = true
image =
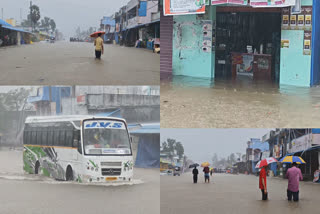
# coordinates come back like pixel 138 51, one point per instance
pixel 136 26
pixel 151 128
pixel 15 29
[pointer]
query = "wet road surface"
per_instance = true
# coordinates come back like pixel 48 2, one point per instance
pixel 188 102
pixel 233 194
pixel 73 63
pixel 31 194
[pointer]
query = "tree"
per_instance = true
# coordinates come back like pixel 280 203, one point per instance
pixel 215 160
pixel 53 25
pixel 180 150
pixel 34 15
pixel 232 158
pixel 14 100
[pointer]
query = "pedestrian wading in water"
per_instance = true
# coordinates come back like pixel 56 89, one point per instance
pixel 98 43
pixel 206 171
pixel 263 183
pixel 294 175
pixel 195 173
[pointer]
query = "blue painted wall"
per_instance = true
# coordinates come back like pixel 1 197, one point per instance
pixel 188 58
pixel 295 68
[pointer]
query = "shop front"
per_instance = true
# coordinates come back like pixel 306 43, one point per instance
pixel 255 43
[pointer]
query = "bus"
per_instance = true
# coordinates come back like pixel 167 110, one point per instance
pixel 79 148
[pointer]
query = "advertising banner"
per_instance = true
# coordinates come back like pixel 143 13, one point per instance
pixel 272 3
pixel 183 7
pixel 217 2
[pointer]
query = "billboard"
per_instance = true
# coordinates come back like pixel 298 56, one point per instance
pixel 273 3
pixel 183 7
pixel 217 2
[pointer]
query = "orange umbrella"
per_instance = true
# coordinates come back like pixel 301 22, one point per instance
pixel 95 34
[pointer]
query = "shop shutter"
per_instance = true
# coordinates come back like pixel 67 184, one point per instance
pixel 166 30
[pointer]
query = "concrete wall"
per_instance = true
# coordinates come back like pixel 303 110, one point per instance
pixel 188 58
pixel 295 68
pixel 134 108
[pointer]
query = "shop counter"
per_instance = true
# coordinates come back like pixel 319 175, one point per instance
pixel 257 66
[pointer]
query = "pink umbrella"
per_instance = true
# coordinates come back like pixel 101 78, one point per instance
pixel 266 162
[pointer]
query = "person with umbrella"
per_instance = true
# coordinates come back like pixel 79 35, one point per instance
pixel 98 43
pixel 195 172
pixel 206 171
pixel 294 175
pixel 263 164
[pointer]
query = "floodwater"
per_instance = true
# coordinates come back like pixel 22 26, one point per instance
pixel 74 63
pixel 33 194
pixel 233 194
pixel 188 102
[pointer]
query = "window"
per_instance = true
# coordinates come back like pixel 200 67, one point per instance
pixel 62 138
pixel 34 138
pixel 50 137
pixel 56 137
pixel 39 140
pixel 69 138
pixel 44 140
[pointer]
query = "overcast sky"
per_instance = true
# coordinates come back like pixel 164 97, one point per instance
pixel 68 14
pixel 201 144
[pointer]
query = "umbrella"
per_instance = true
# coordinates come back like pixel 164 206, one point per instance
pixel 193 165
pixel 266 162
pixel 95 34
pixel 204 164
pixel 292 159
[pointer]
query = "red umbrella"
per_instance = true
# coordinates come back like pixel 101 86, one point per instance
pixel 266 162
pixel 95 34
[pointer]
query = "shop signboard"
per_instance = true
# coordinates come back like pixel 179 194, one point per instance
pixel 240 2
pixel 301 143
pixel 276 151
pixel 272 3
pixel 183 7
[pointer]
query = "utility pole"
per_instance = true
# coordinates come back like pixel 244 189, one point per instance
pixel 30 15
pixel 2 13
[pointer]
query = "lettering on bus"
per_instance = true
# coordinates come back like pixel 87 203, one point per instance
pixel 104 124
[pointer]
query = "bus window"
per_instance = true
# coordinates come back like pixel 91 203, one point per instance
pixel 69 138
pixel 44 140
pixel 62 138
pixel 77 140
pixel 50 137
pixel 56 138
pixel 34 138
pixel 39 138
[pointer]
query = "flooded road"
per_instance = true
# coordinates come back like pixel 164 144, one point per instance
pixel 67 63
pixel 31 194
pixel 233 194
pixel 188 102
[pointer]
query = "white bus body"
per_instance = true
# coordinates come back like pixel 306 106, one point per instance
pixel 81 148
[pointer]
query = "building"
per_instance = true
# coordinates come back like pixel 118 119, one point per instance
pixel 256 151
pixel 138 20
pixel 11 35
pixel 108 25
pixel 240 41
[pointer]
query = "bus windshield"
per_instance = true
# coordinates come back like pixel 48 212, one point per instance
pixel 106 138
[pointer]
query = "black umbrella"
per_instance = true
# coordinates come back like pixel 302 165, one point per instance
pixel 193 165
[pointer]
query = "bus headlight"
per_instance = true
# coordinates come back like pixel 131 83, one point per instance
pixel 92 168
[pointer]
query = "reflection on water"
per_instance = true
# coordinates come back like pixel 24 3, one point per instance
pixel 254 104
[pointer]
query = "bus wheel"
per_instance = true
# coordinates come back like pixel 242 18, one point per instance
pixel 69 174
pixel 36 168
